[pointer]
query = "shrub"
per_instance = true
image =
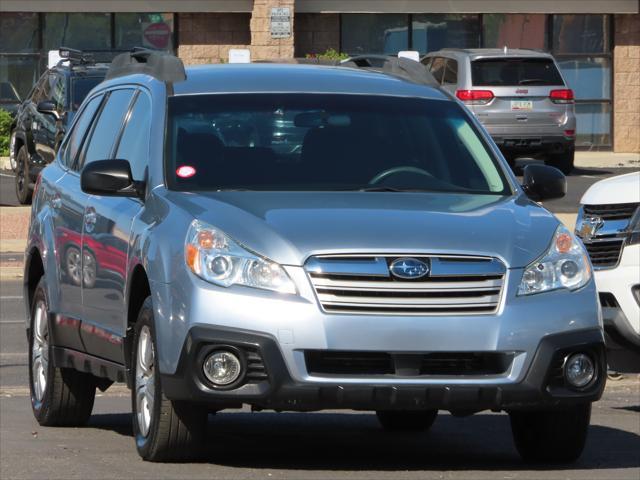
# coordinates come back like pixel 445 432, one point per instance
pixel 5 126
pixel 330 54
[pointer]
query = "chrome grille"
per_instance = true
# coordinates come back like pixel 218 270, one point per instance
pixel 364 285
pixel 604 253
pixel 614 211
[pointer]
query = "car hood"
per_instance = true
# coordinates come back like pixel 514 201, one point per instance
pixel 618 189
pixel 289 227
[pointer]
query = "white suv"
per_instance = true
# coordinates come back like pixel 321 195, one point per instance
pixel 609 225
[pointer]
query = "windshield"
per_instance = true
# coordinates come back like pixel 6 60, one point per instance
pixel 321 142
pixel 511 72
pixel 81 86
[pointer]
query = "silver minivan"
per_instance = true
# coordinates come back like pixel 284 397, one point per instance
pixel 519 96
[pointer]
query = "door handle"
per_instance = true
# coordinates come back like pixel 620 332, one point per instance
pixel 56 201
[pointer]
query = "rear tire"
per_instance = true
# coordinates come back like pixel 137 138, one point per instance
pixel 406 420
pixel 555 436
pixel 562 161
pixel 59 396
pixel 23 192
pixel 165 431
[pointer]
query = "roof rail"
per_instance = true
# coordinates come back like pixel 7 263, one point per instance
pixel 162 66
pixel 399 67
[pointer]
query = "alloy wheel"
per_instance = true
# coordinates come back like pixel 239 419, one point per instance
pixel 40 351
pixel 145 381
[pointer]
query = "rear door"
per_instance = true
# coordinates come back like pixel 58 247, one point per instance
pixel 521 87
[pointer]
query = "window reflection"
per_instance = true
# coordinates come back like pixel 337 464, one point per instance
pixel 593 124
pixel 514 30
pixel 149 30
pixel 581 34
pixel 84 31
pixel 589 77
pixel 18 32
pixel 437 31
pixel 374 33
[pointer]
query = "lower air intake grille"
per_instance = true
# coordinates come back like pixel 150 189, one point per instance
pixel 331 362
pixel 604 253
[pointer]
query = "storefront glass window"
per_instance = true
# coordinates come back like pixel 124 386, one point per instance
pixel 19 73
pixel 589 77
pixel 435 31
pixel 514 31
pixel 149 30
pixel 84 31
pixel 582 48
pixel 594 124
pixel 375 33
pixel 19 32
pixel 581 34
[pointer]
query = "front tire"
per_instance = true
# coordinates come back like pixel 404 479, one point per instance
pixel 406 420
pixel 165 431
pixel 23 190
pixel 59 396
pixel 556 436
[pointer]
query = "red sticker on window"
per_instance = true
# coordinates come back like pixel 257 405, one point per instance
pixel 185 171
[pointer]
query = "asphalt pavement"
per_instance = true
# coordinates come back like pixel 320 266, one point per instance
pixel 242 444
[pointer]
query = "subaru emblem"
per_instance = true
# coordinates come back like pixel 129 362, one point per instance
pixel 409 268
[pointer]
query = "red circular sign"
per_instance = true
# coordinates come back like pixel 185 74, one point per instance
pixel 158 35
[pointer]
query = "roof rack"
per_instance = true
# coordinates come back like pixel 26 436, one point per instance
pixel 162 66
pixel 75 57
pixel 399 67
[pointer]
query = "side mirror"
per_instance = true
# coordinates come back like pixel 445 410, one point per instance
pixel 49 108
pixel 541 182
pixel 110 178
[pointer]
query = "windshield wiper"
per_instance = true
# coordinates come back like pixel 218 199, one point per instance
pixel 529 81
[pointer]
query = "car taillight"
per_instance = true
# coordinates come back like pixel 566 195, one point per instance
pixel 475 97
pixel 562 96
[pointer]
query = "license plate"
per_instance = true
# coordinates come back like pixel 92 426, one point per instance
pixel 521 105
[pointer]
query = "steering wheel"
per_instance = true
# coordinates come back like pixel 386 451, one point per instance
pixel 395 170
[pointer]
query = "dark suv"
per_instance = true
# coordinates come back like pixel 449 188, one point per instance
pixel 44 116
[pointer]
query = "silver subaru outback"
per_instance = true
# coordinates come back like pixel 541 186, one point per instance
pixel 519 96
pixel 385 260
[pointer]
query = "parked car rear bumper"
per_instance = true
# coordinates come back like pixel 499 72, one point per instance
pixel 534 144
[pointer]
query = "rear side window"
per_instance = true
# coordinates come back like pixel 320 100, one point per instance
pixel 106 130
pixel 450 73
pixel 507 72
pixel 74 140
pixel 134 144
pixel 437 68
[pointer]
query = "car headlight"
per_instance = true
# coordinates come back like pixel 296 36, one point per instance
pixel 563 265
pixel 215 257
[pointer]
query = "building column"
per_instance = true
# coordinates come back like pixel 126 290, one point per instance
pixel 626 68
pixel 263 46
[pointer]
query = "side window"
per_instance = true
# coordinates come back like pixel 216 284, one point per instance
pixel 437 68
pixel 450 72
pixel 57 91
pixel 134 143
pixel 77 134
pixel 106 129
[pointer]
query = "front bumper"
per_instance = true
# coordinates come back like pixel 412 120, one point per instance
pixel 269 384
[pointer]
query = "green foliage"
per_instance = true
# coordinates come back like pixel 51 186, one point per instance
pixel 330 54
pixel 5 126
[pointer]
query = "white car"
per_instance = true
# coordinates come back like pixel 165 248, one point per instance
pixel 609 225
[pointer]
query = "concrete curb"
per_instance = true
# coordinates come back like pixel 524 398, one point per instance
pixel 5 164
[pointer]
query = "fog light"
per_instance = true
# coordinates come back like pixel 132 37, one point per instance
pixel 579 370
pixel 222 368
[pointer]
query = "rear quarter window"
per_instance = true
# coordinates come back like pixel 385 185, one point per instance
pixel 507 72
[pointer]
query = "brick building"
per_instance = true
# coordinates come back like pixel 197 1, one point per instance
pixel 597 43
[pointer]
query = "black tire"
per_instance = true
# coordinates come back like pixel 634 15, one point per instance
pixel 562 161
pixel 177 431
pixel 68 395
pixel 406 420
pixel 23 190
pixel 555 436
